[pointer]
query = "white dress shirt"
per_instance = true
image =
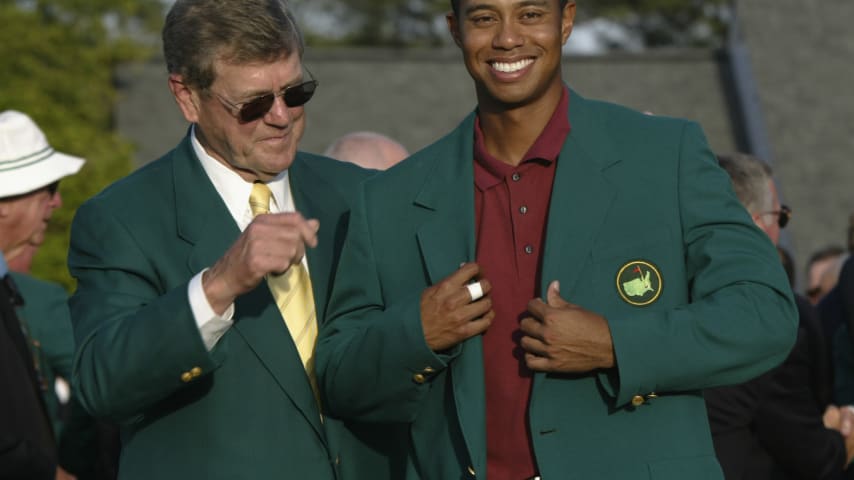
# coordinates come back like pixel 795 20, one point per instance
pixel 234 191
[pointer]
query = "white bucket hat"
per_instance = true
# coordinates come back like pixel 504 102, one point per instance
pixel 27 161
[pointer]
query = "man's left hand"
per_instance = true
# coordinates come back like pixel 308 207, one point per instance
pixel 562 337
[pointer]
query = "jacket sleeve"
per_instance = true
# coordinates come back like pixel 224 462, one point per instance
pixel 369 352
pixel 134 338
pixel 741 318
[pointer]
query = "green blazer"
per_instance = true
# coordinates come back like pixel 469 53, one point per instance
pixel 628 186
pixel 243 410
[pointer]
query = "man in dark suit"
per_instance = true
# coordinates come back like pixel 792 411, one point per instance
pixel 780 425
pixel 837 308
pixel 30 171
pixel 451 309
pixel 27 448
pixel 202 275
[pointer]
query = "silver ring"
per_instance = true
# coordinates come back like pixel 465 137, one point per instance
pixel 475 291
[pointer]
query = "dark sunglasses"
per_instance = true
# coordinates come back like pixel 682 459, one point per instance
pixel 50 188
pixel 783 215
pixel 294 96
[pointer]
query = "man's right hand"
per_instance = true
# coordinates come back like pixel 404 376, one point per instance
pixel 270 244
pixel 448 314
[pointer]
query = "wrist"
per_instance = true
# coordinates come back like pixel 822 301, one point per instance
pixel 216 291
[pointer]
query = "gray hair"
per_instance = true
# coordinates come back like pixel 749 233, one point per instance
pixel 199 32
pixel 751 180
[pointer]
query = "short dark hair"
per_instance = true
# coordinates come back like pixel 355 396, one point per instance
pixel 198 32
pixel 455 5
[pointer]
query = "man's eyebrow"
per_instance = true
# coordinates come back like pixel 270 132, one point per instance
pixel 478 6
pixel 524 3
pixel 252 94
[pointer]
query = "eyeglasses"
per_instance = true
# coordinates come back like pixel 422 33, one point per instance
pixel 52 188
pixel 783 215
pixel 294 96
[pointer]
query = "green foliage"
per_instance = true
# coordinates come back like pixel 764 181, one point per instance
pixel 57 60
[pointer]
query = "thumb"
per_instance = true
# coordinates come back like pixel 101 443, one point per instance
pixel 553 296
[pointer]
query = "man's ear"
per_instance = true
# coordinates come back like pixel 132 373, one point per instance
pixel 185 97
pixel 567 21
pixel 454 28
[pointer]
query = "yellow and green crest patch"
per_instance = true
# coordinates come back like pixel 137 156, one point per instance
pixel 639 283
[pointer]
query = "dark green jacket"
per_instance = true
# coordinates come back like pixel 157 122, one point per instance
pixel 251 413
pixel 628 187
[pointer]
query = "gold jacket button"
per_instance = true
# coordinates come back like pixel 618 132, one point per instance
pixel 471 470
pixel 186 377
pixel 637 400
pixel 428 370
pixel 419 378
pixel 195 371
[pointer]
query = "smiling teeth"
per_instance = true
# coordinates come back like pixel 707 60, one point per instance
pixel 512 67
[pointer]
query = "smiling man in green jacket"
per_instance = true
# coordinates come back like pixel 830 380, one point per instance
pixel 545 291
pixel 201 276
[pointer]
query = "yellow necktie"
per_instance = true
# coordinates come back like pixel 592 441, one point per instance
pixel 292 291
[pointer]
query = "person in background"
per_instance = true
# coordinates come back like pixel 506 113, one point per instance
pixel 368 150
pixel 837 308
pixel 780 425
pixel 201 278
pixel 823 271
pixel 545 291
pixel 48 321
pixel 30 171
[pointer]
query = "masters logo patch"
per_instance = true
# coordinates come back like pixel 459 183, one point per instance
pixel 639 283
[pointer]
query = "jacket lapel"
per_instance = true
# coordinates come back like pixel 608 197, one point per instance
pixel 303 182
pixel 446 240
pixel 200 211
pixel 581 197
pixel 260 323
pixel 204 221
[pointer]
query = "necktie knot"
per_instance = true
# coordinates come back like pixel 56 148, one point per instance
pixel 259 199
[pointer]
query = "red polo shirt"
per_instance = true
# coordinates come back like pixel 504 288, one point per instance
pixel 511 208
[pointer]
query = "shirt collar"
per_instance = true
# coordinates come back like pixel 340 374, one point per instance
pixel 234 190
pixel 545 149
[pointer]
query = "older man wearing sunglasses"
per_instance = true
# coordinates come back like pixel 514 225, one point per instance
pixel 779 425
pixel 202 276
